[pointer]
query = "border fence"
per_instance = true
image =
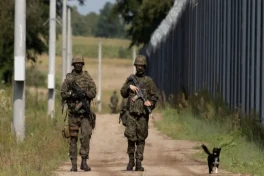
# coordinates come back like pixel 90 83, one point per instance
pixel 210 44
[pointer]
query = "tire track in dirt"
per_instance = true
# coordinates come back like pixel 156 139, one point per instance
pixel 163 156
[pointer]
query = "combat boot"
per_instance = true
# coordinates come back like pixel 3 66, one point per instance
pixel 74 166
pixel 139 166
pixel 84 165
pixel 131 163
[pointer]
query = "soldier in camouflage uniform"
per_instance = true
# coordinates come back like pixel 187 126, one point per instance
pixel 113 102
pixel 77 117
pixel 137 121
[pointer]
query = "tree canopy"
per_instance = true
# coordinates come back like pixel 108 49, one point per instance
pixel 59 5
pixel 142 17
pixel 36 34
pixel 105 24
pixel 37 13
pixel 109 25
pixel 84 25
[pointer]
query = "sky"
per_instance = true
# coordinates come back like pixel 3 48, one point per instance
pixel 89 6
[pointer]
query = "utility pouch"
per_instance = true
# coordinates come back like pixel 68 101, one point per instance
pixel 123 116
pixel 66 131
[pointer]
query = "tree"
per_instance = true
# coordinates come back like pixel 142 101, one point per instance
pixel 142 17
pixel 83 25
pixel 91 21
pixel 37 13
pixel 59 5
pixel 36 34
pixel 109 25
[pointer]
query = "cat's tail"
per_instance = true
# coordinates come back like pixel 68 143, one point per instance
pixel 206 149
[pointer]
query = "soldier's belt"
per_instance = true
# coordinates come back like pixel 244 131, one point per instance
pixel 137 114
pixel 77 114
pixel 74 128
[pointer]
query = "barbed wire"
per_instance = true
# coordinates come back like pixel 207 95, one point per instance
pixel 161 33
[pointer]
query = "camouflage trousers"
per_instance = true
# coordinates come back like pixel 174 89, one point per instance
pixel 113 108
pixel 76 123
pixel 136 132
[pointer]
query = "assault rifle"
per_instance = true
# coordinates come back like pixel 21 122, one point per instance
pixel 80 93
pixel 140 94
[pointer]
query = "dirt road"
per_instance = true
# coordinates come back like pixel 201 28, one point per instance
pixel 163 156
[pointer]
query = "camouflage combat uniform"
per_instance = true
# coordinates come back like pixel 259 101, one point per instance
pixel 123 103
pixel 136 129
pixel 114 102
pixel 78 119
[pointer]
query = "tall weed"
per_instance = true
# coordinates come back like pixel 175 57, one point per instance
pixel 43 149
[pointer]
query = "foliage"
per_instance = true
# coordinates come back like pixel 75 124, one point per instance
pixel 34 77
pixel 109 25
pixel 142 17
pixel 37 13
pixel 43 150
pixel 83 25
pixel 103 25
pixel 59 4
pixel 36 34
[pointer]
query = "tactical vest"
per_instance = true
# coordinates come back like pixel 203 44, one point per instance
pixel 135 104
pixel 82 80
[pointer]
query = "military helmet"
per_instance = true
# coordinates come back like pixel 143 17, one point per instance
pixel 77 59
pixel 140 60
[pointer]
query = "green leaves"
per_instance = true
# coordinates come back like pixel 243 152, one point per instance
pixel 142 17
pixel 36 34
pixel 109 24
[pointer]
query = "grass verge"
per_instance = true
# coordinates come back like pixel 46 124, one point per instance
pixel 43 149
pixel 238 154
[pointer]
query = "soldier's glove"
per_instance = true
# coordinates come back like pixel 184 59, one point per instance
pixel 68 95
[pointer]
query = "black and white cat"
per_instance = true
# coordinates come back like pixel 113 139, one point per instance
pixel 213 158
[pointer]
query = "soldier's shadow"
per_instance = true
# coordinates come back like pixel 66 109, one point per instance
pixel 124 170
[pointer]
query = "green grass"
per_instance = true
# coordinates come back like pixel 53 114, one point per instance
pixel 43 150
pixel 238 154
pixel 88 47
